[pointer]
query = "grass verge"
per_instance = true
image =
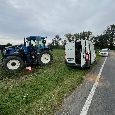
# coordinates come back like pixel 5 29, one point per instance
pixel 41 91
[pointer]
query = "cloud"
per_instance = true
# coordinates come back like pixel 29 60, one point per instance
pixel 11 40
pixel 23 18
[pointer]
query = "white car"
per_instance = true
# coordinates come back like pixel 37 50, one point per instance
pixel 103 52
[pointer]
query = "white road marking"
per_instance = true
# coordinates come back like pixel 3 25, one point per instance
pixel 88 101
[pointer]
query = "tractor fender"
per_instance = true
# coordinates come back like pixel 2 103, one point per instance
pixel 18 55
pixel 45 49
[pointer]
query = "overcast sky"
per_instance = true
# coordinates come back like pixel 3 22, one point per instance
pixel 23 18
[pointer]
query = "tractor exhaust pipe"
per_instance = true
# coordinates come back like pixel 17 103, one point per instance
pixel 24 42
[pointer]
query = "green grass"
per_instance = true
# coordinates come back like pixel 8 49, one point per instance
pixel 42 91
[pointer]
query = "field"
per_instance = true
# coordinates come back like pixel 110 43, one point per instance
pixel 40 91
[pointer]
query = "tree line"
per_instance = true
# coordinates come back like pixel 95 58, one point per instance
pixel 105 40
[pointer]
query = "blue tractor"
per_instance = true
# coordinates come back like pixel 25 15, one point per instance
pixel 33 52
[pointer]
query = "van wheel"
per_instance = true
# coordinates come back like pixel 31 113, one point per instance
pixel 95 60
pixel 89 67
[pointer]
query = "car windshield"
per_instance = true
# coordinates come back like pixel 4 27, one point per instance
pixel 104 51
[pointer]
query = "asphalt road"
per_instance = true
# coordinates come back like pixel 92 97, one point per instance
pixel 94 97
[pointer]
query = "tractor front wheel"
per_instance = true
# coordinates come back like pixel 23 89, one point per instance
pixel 12 63
pixel 45 58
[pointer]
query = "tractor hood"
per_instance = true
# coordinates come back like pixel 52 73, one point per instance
pixel 17 48
pixel 10 50
pixel 25 49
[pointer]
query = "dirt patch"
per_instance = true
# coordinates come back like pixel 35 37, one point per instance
pixel 26 71
pixel 101 82
pixel 112 53
pixel 91 77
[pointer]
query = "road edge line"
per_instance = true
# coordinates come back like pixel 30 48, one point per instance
pixel 89 98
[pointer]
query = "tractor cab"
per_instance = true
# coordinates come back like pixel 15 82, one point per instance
pixel 35 43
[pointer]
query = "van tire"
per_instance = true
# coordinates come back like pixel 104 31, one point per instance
pixel 95 59
pixel 89 67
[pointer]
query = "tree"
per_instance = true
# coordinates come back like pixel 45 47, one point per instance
pixel 69 37
pixel 85 35
pixel 109 35
pixel 76 36
pixel 9 44
pixel 51 45
pixel 89 33
pixel 96 41
pixel 56 41
pixel 63 43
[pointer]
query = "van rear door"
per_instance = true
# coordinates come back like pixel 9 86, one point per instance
pixel 70 52
pixel 83 60
pixel 78 49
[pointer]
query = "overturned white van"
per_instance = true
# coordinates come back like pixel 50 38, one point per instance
pixel 80 53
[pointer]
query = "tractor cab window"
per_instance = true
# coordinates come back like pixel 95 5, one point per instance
pixel 33 42
pixel 39 43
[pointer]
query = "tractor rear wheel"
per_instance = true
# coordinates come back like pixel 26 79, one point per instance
pixel 45 58
pixel 12 63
